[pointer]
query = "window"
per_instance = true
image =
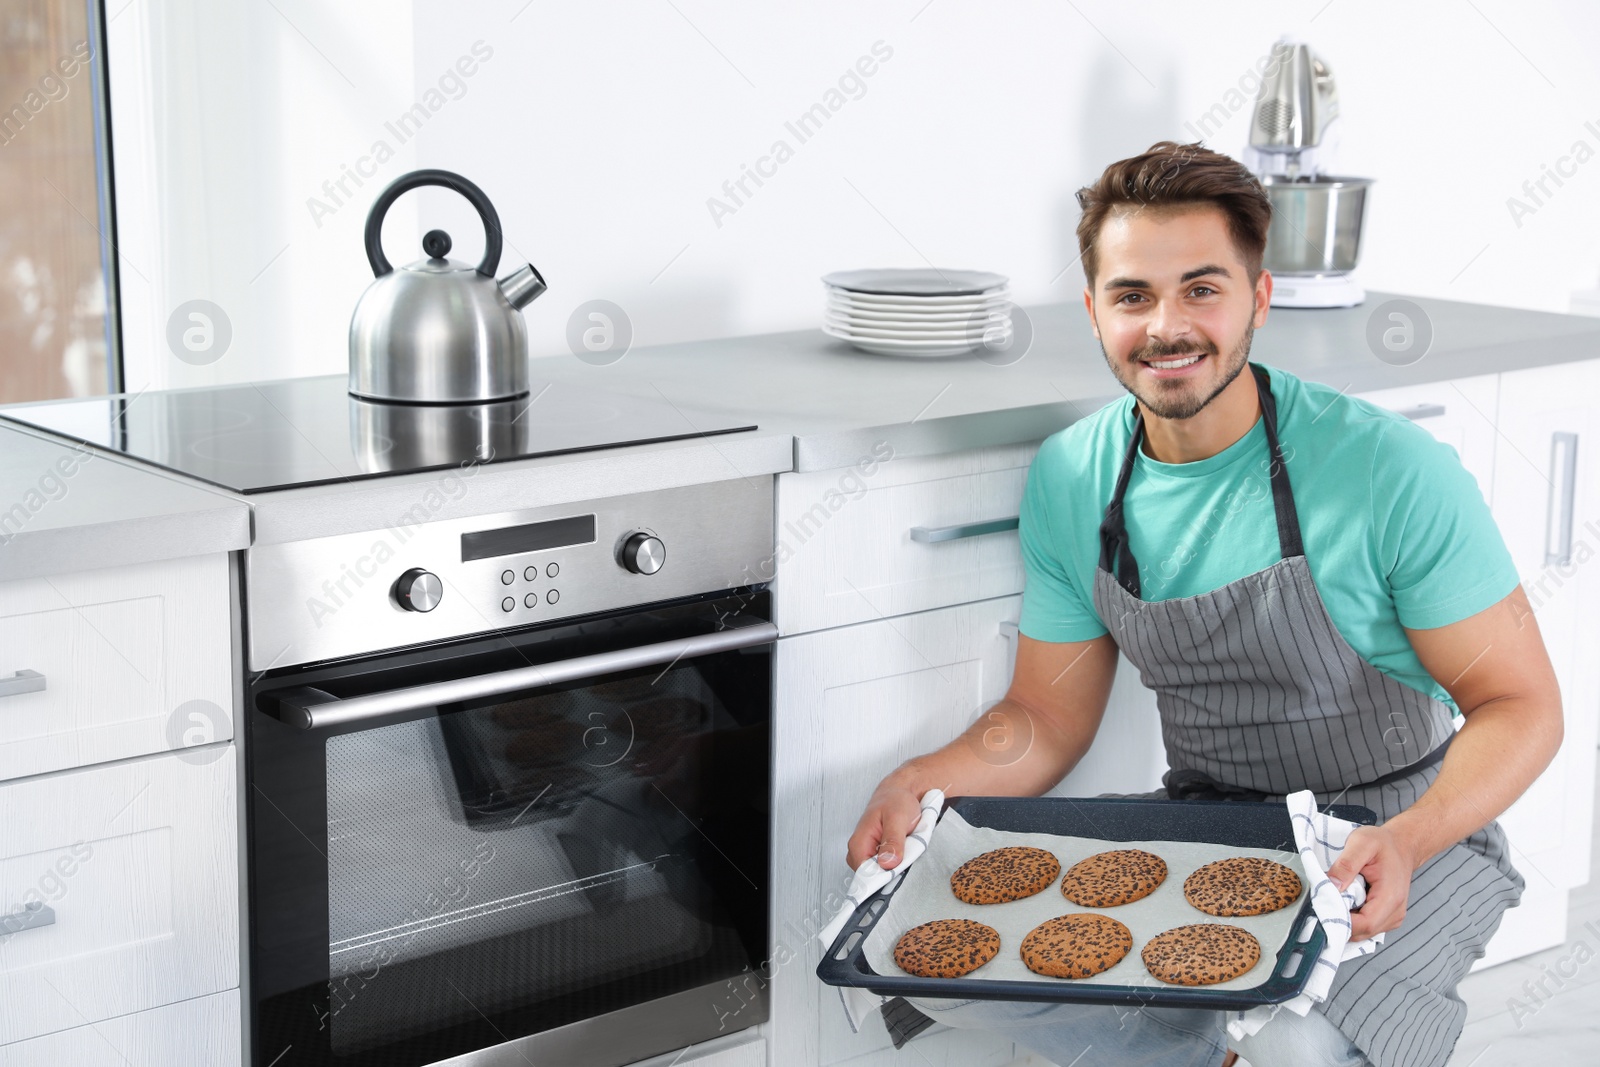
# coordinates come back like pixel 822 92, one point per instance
pixel 58 281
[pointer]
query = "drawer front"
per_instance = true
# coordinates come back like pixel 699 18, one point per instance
pixel 846 551
pixel 118 891
pixel 104 665
pixel 197 1033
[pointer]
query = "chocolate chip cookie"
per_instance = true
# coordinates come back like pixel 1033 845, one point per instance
pixel 946 948
pixel 1004 874
pixel 1242 885
pixel 1108 879
pixel 1075 946
pixel 1200 954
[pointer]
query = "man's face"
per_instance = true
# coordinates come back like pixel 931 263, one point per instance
pixel 1170 288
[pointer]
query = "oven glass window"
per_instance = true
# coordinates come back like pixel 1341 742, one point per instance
pixel 545 857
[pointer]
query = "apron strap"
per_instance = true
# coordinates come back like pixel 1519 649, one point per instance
pixel 1289 544
pixel 1116 555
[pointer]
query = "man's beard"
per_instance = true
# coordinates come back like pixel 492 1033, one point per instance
pixel 1180 403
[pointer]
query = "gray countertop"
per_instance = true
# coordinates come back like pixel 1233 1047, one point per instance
pixel 64 509
pixel 819 403
pixel 836 401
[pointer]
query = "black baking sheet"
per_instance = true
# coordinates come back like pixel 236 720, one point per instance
pixel 1237 824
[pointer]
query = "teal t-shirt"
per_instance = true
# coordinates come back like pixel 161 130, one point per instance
pixel 1395 530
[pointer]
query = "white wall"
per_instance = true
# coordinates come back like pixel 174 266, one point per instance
pixel 601 129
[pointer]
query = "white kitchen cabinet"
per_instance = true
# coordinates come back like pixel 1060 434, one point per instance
pixel 847 551
pixel 135 867
pixel 852 704
pixel 203 1032
pixel 101 665
pixel 1547 504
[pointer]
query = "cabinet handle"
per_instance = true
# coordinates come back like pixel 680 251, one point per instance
pixel 931 534
pixel 1421 411
pixel 34 914
pixel 1558 511
pixel 22 682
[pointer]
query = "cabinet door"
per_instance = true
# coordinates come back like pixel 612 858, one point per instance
pixel 852 704
pixel 1547 502
pixel 119 890
pixel 1460 412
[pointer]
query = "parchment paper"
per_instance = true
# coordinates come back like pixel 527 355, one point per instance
pixel 924 895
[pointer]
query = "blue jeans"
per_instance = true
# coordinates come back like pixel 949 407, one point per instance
pixel 1114 1035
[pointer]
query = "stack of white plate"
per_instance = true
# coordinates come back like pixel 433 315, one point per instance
pixel 918 312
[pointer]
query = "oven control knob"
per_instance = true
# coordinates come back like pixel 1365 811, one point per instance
pixel 418 590
pixel 644 554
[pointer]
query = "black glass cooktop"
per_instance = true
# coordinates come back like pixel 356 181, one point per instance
pixel 310 431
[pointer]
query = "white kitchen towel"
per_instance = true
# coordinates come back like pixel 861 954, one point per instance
pixel 1321 839
pixel 868 879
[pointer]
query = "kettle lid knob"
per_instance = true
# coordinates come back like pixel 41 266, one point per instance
pixel 436 243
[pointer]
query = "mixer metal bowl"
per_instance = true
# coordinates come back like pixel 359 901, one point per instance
pixel 1316 224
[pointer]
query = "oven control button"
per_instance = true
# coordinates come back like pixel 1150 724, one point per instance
pixel 418 590
pixel 644 554
pixel 507 604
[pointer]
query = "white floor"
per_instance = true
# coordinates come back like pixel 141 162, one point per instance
pixel 1561 1026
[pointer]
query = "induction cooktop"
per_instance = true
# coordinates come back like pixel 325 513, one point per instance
pixel 310 431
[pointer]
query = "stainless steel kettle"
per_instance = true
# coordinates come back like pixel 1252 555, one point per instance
pixel 438 331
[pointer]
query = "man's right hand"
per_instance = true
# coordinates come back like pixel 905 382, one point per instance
pixel 1058 695
pixel 891 814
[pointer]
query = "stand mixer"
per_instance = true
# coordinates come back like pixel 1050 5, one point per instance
pixel 1314 241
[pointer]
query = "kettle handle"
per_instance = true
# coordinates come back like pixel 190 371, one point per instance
pixel 416 179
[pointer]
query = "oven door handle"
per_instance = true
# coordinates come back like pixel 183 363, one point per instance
pixel 309 708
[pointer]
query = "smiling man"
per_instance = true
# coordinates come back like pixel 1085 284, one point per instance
pixel 1311 585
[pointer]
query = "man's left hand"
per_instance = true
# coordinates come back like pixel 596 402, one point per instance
pixel 1378 855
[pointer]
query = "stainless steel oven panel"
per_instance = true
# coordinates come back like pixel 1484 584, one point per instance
pixel 329 597
pixel 626 1036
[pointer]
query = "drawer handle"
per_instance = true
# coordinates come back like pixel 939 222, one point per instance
pixel 931 534
pixel 34 914
pixel 22 682
pixel 1421 411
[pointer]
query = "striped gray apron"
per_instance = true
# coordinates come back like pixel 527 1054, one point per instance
pixel 1260 696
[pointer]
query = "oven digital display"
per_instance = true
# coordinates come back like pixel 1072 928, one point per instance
pixel 512 540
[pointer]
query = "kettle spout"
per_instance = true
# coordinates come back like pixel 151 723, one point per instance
pixel 522 287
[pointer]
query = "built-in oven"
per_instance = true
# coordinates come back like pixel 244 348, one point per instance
pixel 545 842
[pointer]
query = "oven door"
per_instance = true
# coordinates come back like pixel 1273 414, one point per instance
pixel 554 841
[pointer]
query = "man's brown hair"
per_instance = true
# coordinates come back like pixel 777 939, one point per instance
pixel 1171 175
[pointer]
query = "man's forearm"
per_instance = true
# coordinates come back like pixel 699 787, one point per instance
pixel 1501 748
pixel 1008 751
